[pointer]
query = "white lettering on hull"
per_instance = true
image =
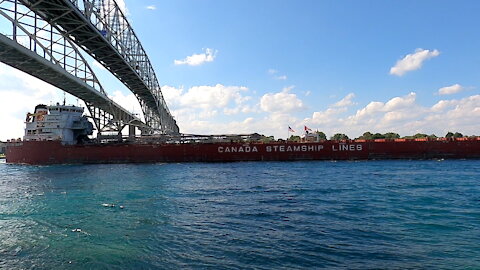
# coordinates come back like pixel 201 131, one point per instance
pixel 237 149
pixel 294 148
pixel 347 147
pixel 290 148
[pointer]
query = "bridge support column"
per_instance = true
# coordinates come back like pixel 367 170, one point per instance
pixel 131 131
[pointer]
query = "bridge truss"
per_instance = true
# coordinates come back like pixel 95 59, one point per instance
pixel 44 39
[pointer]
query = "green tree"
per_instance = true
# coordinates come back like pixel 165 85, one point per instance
pixel 378 136
pixel 321 135
pixel 294 138
pixel 458 135
pixel 366 136
pixel 420 135
pixel 391 135
pixel 266 139
pixel 339 136
pixel 449 135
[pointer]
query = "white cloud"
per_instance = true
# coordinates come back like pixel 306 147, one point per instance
pixel 398 103
pixel 19 94
pixel 346 101
pixel 381 114
pixel 128 101
pixel 152 7
pixel 202 103
pixel 171 94
pixel 273 72
pixel 198 59
pixel 198 102
pixel 332 113
pixel 246 125
pixel 208 114
pixel 281 102
pixel 217 96
pixel 223 109
pixel 448 90
pixel 412 61
pixel 442 105
pixel 245 109
pixel 454 115
pixel 206 97
pixel 402 115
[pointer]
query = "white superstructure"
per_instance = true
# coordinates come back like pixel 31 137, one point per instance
pixel 58 122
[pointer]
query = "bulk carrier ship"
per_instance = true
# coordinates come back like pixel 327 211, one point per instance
pixel 59 134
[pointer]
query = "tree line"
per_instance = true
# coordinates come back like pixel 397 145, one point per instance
pixel 373 136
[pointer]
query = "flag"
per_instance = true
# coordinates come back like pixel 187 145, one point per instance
pixel 290 129
pixel 307 128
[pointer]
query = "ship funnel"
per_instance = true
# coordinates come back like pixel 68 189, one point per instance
pixel 40 111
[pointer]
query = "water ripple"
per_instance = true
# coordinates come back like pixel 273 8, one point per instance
pixel 276 215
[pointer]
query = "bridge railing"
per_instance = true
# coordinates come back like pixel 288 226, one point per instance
pixel 33 33
pixel 111 22
pixel 23 26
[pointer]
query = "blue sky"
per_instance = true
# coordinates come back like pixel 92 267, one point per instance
pixel 327 47
pixel 262 66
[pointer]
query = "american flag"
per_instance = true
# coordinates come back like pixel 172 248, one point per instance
pixel 290 129
pixel 307 128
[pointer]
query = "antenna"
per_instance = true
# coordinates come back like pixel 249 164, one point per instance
pixel 64 98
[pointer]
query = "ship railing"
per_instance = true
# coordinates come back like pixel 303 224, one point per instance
pixel 243 138
pixel 178 139
pixel 471 138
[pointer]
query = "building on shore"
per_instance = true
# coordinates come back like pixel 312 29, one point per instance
pixel 2 147
pixel 310 137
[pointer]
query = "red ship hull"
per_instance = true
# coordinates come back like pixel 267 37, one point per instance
pixel 53 152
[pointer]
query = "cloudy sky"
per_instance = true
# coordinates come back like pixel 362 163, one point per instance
pixel 261 66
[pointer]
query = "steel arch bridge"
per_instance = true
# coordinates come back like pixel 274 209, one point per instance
pixel 46 40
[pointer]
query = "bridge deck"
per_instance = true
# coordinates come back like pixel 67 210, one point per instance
pixel 21 58
pixel 138 76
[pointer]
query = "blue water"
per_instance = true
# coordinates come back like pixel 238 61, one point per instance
pixel 276 215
